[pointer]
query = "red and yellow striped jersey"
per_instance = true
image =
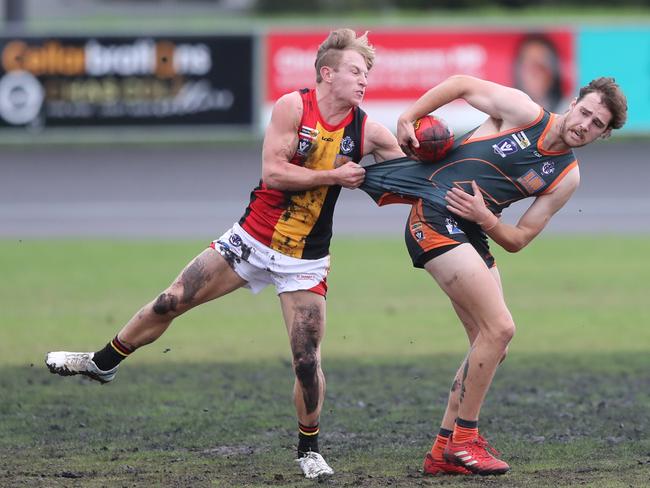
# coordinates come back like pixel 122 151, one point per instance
pixel 299 223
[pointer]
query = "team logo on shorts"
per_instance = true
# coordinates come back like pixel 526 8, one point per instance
pixel 305 277
pixel 347 145
pixel 235 240
pixel 419 235
pixel 548 167
pixel 452 226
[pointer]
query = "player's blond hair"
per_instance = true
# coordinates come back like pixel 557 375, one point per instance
pixel 330 51
pixel 611 96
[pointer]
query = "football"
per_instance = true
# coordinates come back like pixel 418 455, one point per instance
pixel 435 138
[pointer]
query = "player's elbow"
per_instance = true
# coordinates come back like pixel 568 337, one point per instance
pixel 462 83
pixel 516 244
pixel 272 179
pixel 512 248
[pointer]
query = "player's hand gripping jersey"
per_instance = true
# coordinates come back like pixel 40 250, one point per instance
pixel 507 167
pixel 299 224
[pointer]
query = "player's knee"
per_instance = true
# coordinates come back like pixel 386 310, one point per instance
pixel 305 365
pixel 167 303
pixel 502 331
pixel 505 353
pixel 506 333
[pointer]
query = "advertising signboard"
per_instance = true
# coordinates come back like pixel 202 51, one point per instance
pixel 409 62
pixel 125 81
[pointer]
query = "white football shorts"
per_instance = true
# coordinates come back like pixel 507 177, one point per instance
pixel 261 266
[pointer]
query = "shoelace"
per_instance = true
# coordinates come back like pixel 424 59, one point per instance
pixel 77 361
pixel 317 465
pixel 485 444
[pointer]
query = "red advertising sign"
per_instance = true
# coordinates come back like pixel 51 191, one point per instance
pixel 408 62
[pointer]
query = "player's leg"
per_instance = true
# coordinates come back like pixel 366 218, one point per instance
pixel 206 277
pixel 465 278
pixel 304 316
pixel 434 460
pixel 471 329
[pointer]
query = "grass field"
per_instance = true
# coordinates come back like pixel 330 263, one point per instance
pixel 209 403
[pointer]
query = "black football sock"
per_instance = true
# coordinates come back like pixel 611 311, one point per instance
pixel 112 355
pixel 307 439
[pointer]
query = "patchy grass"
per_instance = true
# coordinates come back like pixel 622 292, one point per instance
pixel 209 404
pixel 214 424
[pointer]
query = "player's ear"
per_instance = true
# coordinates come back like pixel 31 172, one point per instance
pixel 326 73
pixel 606 134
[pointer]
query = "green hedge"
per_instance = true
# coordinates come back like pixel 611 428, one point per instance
pixel 300 6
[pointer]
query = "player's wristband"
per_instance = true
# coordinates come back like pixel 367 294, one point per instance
pixel 486 227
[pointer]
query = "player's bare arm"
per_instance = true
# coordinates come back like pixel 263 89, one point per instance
pixel 506 107
pixel 380 142
pixel 513 237
pixel 280 143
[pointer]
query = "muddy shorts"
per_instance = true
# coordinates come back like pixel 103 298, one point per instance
pixel 261 266
pixel 432 230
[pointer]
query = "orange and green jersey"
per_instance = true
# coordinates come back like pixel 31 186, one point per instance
pixel 507 166
pixel 299 223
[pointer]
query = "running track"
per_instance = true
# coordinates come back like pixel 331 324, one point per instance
pixel 198 192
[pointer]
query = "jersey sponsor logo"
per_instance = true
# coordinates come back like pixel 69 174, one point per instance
pixel 452 226
pixel 327 139
pixel 521 139
pixel 304 147
pixel 537 154
pixel 308 133
pixel 531 181
pixel 504 147
pixel 306 138
pixel 347 145
pixel 548 167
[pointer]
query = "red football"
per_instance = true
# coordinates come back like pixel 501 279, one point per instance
pixel 435 138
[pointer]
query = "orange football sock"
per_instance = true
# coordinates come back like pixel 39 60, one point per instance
pixel 438 447
pixel 465 430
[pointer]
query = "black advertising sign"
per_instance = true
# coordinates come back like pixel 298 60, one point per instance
pixel 109 81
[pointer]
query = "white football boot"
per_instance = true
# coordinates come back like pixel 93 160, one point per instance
pixel 313 465
pixel 66 363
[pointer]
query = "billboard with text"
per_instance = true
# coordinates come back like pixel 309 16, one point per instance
pixel 105 81
pixel 409 62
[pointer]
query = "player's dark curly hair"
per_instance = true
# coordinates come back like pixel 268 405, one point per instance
pixel 330 51
pixel 611 95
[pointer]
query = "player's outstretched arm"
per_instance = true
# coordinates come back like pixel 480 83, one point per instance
pixel 504 104
pixel 380 142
